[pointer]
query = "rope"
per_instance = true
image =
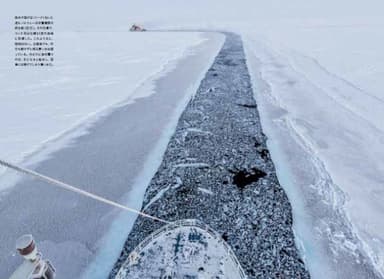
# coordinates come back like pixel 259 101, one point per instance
pixel 77 190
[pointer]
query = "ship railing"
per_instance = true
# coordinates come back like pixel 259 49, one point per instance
pixel 186 223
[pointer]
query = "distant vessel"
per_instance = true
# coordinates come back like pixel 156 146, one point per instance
pixel 137 28
pixel 184 249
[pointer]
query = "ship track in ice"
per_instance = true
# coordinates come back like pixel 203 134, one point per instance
pixel 217 169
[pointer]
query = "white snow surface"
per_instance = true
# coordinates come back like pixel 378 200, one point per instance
pixel 93 72
pixel 186 57
pixel 324 79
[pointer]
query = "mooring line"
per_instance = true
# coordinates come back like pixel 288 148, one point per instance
pixel 77 190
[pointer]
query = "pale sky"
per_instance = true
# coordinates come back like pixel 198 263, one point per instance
pixel 109 14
